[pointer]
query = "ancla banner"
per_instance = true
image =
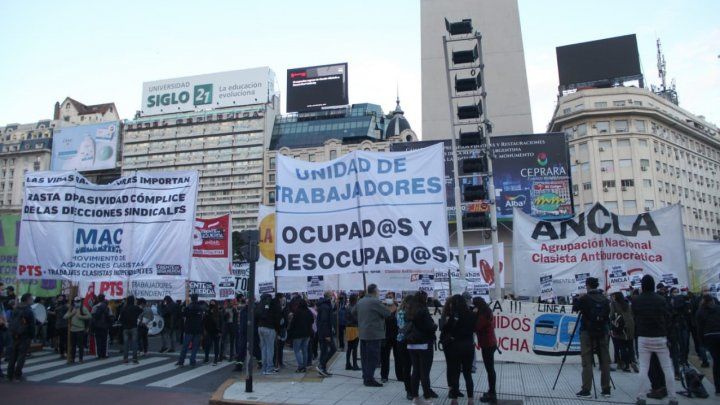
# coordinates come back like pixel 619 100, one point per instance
pixel 211 249
pixel 138 226
pixel 615 249
pixel 363 211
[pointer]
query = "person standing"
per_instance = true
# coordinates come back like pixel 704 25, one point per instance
pixel 267 318
pixel 341 321
pixel 193 330
pixel 22 329
pixel 146 318
pixel 212 332
pixel 651 326
pixel 390 343
pixel 167 312
pixel 61 325
pixel 229 330
pixel 299 331
pixel 325 333
pixel 708 324
pixel 280 303
pixel 700 351
pixel 622 331
pixel 419 335
pixel 371 315
pixel 351 334
pixel 594 308
pixel 403 356
pixel 78 316
pixel 487 342
pixel 129 317
pixel 458 327
pixel 101 321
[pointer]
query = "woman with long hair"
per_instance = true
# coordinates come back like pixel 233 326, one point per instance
pixel 403 356
pixel 457 338
pixel 622 331
pixel 487 343
pixel 419 334
pixel 351 334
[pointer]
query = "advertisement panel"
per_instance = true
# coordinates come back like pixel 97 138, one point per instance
pixel 86 147
pixel 209 91
pixel 598 242
pixel 362 211
pixel 139 226
pixel 317 87
pixel 532 173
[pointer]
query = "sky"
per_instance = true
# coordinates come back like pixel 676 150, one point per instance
pixel 100 52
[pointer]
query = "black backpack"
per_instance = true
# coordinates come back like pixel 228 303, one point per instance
pixel 692 382
pixel 596 321
pixel 19 325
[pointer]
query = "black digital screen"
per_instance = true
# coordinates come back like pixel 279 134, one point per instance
pixel 599 60
pixel 317 87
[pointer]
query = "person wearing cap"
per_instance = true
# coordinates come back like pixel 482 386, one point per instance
pixel 193 321
pixel 78 316
pixel 651 326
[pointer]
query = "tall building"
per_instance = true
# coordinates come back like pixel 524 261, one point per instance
pixel 328 134
pixel 508 99
pixel 24 148
pixel 635 151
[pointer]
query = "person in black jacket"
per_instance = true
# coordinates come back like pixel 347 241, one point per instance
pixel 299 331
pixel 212 328
pixel 101 322
pixel 708 324
pixel 61 325
pixel 281 303
pixel 651 326
pixel 267 317
pixel 695 301
pixel 22 329
pixel 390 343
pixel 351 334
pixel 129 321
pixel 167 311
pixel 594 308
pixel 419 335
pixel 325 333
pixel 193 322
pixel 458 326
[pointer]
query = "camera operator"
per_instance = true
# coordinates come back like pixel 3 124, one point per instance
pixel 594 309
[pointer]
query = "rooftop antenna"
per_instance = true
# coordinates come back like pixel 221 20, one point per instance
pixel 668 93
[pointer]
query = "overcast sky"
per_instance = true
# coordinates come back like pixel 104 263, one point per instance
pixel 102 51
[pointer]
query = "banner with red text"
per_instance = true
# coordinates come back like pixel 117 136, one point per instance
pixel 535 333
pixel 600 244
pixel 211 252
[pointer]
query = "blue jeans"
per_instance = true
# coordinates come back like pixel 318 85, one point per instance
pixel 267 347
pixel 130 340
pixel 369 357
pixel 195 339
pixel 327 349
pixel 300 347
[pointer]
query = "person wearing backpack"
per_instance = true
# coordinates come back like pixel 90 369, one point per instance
pixel 651 326
pixel 594 309
pixel 78 315
pixel 622 331
pixel 22 329
pixel 101 322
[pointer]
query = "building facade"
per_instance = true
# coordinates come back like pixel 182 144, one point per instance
pixel 508 99
pixel 72 112
pixel 635 151
pixel 224 145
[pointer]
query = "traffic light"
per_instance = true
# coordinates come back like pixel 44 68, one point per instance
pixel 249 244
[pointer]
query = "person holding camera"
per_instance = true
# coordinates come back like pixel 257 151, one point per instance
pixel 594 309
pixel 78 315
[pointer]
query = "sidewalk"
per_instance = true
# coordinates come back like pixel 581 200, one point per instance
pixel 516 384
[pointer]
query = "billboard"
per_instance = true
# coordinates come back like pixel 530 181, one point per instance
pixel 317 87
pixel 86 147
pixel 204 92
pixel 531 172
pixel 599 60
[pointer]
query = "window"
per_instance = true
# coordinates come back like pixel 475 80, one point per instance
pixel 271 197
pixel 582 130
pixel 619 103
pixel 647 183
pixel 585 167
pixel 643 143
pixel 629 206
pixel 644 164
pixel 607 166
pixel 611 205
pixel 600 104
pixel 649 204
pixel 608 184
pixel 603 127
pixel 625 163
pixel 333 154
pixel 604 145
pixel 579 107
pixel 271 178
pixel 567 110
pixel 627 183
pixel 311 157
pixel 621 126
pixel 272 163
pixel 623 143
pixel 575 187
pixel 587 186
pixel 583 148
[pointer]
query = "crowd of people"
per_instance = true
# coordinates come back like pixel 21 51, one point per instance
pixel 650 331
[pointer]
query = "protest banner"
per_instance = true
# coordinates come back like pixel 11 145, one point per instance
pixel 594 241
pixel 9 238
pixel 481 290
pixel 138 226
pixel 479 268
pixel 363 211
pixel 535 333
pixel 546 287
pixel 703 262
pixel 157 289
pixel 113 290
pixel 315 287
pixel 211 249
pixel 265 266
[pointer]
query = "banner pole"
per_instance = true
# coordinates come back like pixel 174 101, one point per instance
pixel 73 293
pixel 364 281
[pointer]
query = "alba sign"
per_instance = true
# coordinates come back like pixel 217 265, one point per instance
pixel 216 90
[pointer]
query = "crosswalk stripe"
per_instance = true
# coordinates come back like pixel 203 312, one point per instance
pixel 66 370
pixel 107 371
pixel 186 376
pixel 43 366
pixel 141 374
pixel 37 358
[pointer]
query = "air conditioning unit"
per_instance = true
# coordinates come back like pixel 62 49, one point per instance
pixel 602 169
pixel 577 161
pixel 601 149
pixel 643 168
pixel 647 209
pixel 575 193
pixel 605 189
pixel 623 188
